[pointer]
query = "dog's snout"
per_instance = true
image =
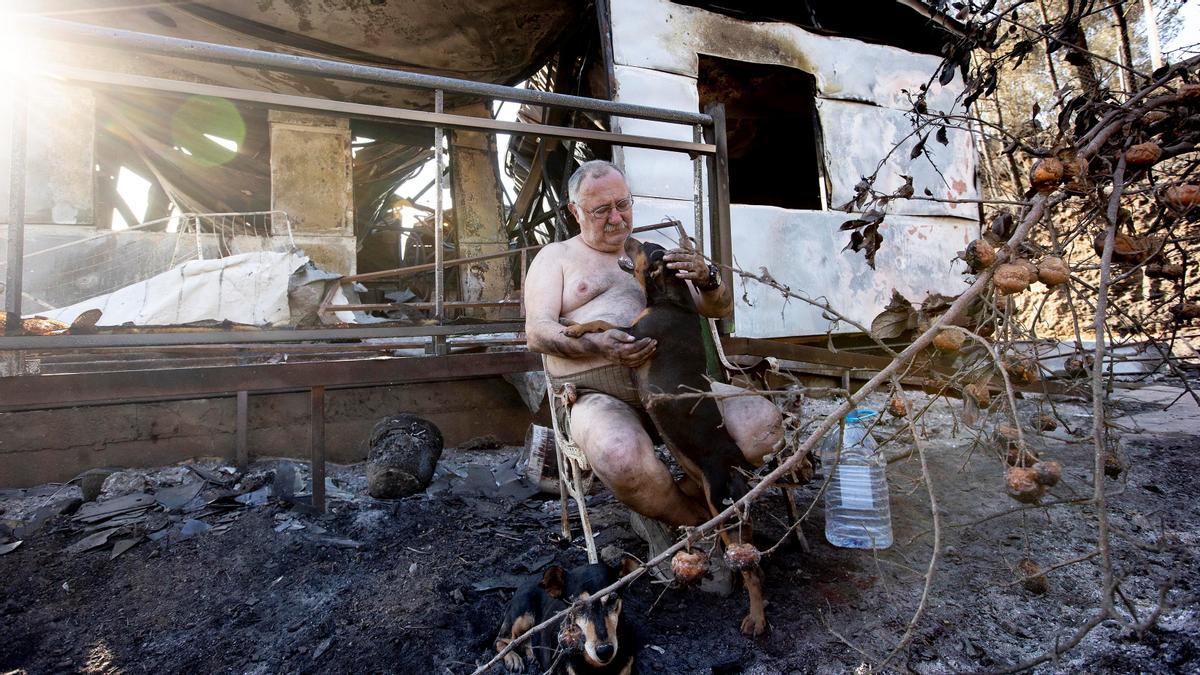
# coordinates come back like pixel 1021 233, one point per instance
pixel 605 651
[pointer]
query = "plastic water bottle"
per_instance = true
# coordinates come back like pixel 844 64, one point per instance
pixel 857 513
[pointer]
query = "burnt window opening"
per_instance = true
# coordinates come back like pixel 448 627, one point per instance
pixel 771 131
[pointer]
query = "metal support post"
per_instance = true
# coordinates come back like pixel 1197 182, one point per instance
pixel 718 199
pixel 242 456
pixel 439 271
pixel 698 189
pixel 16 208
pixel 316 441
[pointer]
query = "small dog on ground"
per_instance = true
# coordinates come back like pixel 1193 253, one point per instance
pixel 593 639
pixel 693 429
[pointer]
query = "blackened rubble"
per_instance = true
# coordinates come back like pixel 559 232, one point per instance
pixel 246 581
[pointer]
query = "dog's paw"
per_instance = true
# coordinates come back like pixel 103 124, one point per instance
pixel 575 331
pixel 754 625
pixel 514 663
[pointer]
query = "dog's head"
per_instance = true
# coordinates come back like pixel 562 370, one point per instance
pixel 595 621
pixel 647 263
pixel 591 626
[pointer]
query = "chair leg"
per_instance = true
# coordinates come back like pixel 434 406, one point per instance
pixel 564 508
pixel 794 518
pixel 584 520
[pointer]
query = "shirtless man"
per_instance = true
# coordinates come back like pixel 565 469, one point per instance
pixel 579 280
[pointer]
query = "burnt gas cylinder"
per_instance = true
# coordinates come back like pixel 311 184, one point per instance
pixel 404 449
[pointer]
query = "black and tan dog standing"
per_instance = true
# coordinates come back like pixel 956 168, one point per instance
pixel 692 428
pixel 593 639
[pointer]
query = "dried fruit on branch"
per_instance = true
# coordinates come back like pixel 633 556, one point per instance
pixel 1021 369
pixel 1164 271
pixel 1031 270
pixel 1006 437
pixel 689 566
pixel 979 394
pixel 1020 457
pixel 1186 310
pixel 1182 197
pixel 1128 250
pixel 1044 422
pixel 1046 174
pixel 1154 117
pixel 1075 175
pixel 1079 366
pixel 1032 577
pixel 949 340
pixel 1022 485
pixel 1143 154
pixel 1113 466
pixel 1053 271
pixel 742 557
pixel 897 406
pixel 1048 473
pixel 979 255
pixel 1011 278
pixel 570 635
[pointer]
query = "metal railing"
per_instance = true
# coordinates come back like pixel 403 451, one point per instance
pixel 706 148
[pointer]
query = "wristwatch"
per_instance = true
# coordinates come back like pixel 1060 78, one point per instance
pixel 714 279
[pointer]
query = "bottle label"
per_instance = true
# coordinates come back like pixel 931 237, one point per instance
pixel 854 482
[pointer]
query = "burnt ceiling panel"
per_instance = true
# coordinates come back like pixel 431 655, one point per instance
pixel 498 41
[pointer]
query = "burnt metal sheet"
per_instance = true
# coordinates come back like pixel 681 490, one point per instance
pixel 55 391
pixel 917 257
pixel 654 172
pixel 857 137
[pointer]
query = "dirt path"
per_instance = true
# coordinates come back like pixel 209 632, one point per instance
pixel 418 585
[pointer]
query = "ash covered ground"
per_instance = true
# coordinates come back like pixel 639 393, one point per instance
pixel 418 585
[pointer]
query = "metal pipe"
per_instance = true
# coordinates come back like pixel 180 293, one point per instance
pixel 316 441
pixel 16 208
pixel 53 342
pixel 126 40
pixel 419 117
pixel 698 189
pixel 439 261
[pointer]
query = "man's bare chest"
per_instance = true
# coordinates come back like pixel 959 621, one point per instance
pixel 605 291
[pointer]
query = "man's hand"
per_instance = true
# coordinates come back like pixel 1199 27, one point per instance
pixel 622 348
pixel 687 265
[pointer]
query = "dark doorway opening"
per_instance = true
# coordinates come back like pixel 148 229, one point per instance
pixel 771 128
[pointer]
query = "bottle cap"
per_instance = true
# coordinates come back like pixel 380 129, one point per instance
pixel 860 415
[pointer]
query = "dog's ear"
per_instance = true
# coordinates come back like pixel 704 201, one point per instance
pixel 627 565
pixel 554 580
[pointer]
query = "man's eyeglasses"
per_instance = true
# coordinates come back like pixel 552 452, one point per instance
pixel 602 212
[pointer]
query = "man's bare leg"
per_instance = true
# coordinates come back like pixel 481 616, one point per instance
pixel 754 422
pixel 610 434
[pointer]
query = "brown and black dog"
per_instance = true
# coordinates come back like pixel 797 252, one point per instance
pixel 692 428
pixel 593 639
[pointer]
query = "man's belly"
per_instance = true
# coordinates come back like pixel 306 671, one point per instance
pixel 616 313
